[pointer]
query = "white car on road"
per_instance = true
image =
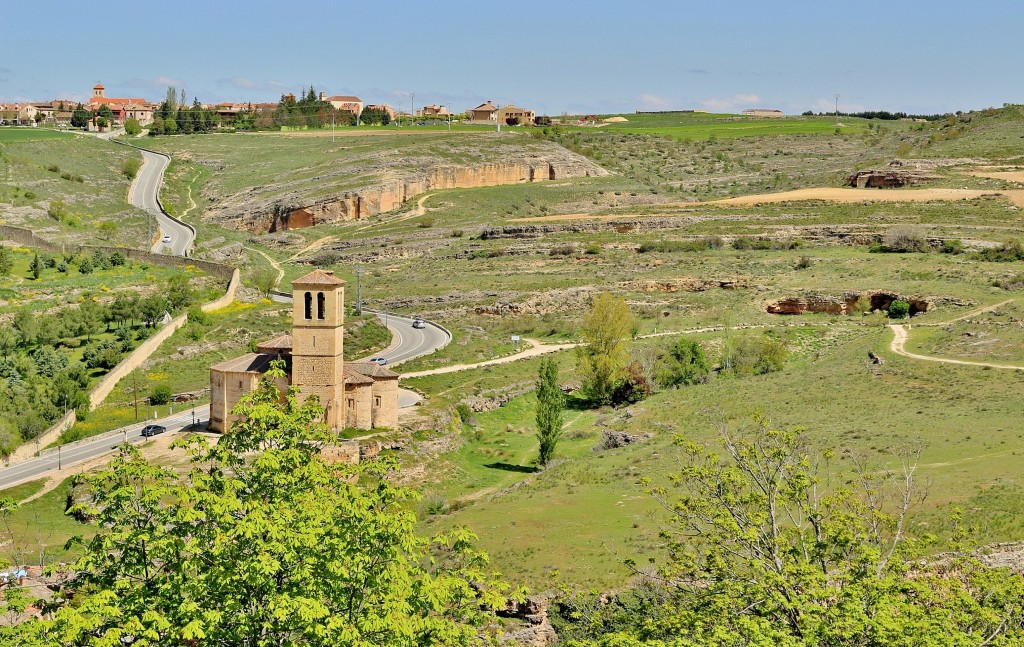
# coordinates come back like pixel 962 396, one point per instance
pixel 165 239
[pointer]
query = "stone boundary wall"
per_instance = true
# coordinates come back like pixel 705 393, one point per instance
pixel 139 355
pixel 28 450
pixel 135 359
pixel 29 238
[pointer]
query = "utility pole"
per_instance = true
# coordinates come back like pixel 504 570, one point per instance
pixel 359 288
pixel 135 392
pixel 837 108
pixel 412 108
pixel 332 124
pixel 448 109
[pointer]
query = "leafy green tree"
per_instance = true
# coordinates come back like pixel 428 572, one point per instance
pixel 36 267
pixel 179 291
pixel 6 261
pixel 684 364
pixel 27 326
pixel 265 543
pixel 550 404
pixel 102 122
pixel 604 355
pixel 108 228
pixel 899 309
pixel 105 112
pixel 132 126
pixel 80 117
pixel 170 126
pixel 765 548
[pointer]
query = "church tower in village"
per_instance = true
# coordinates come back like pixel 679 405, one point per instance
pixel 318 316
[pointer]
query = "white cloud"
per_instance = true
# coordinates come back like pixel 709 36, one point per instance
pixel 654 102
pixel 727 104
pixel 156 83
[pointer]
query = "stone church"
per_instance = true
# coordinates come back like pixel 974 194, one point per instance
pixel 353 394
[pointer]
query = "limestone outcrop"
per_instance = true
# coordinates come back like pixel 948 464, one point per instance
pixel 846 304
pixel 261 212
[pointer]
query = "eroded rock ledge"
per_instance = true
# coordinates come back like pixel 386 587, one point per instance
pixel 282 213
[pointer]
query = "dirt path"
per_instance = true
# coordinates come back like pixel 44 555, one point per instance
pixel 536 348
pixel 976 312
pixel 899 340
pixel 191 202
pixel 273 263
pixel 313 246
pixel 827 194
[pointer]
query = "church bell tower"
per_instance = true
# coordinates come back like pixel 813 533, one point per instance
pixel 318 317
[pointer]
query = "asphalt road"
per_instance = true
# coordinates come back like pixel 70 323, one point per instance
pixel 87 450
pixel 407 343
pixel 144 196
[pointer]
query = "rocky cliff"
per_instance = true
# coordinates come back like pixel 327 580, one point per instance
pixel 250 211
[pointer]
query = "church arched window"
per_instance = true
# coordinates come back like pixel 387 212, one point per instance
pixel 320 303
pixel 309 305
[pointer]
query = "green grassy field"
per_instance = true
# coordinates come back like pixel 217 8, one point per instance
pixel 471 264
pixel 10 134
pixel 702 126
pixel 40 167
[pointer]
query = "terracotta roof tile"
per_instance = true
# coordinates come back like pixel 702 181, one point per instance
pixel 370 369
pixel 318 277
pixel 353 376
pixel 276 345
pixel 251 363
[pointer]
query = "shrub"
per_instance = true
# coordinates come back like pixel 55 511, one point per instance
pixel 952 246
pixel 1008 252
pixel 130 167
pixel 804 263
pixel 633 387
pixel 899 309
pixel 592 249
pixel 197 316
pixel 764 244
pixel 668 246
pixel 457 233
pixel 426 223
pixel 161 394
pixel 754 355
pixel 85 266
pixel 1015 282
pixel 53 168
pixel 903 239
pixel 567 249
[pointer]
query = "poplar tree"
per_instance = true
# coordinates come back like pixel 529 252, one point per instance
pixel 550 403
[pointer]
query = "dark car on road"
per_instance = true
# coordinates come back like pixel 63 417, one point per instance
pixel 152 430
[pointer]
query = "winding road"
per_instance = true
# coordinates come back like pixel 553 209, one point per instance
pixel 144 194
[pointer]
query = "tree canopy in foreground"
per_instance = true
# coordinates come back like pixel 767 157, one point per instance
pixel 765 550
pixel 264 543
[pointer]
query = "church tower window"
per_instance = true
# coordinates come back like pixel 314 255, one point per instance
pixel 309 305
pixel 320 302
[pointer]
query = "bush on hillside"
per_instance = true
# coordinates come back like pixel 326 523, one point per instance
pixel 161 394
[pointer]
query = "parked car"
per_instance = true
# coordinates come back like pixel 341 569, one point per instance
pixel 165 239
pixel 153 430
pixel 379 361
pixel 418 323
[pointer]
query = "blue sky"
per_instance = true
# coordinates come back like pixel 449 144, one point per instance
pixel 555 56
